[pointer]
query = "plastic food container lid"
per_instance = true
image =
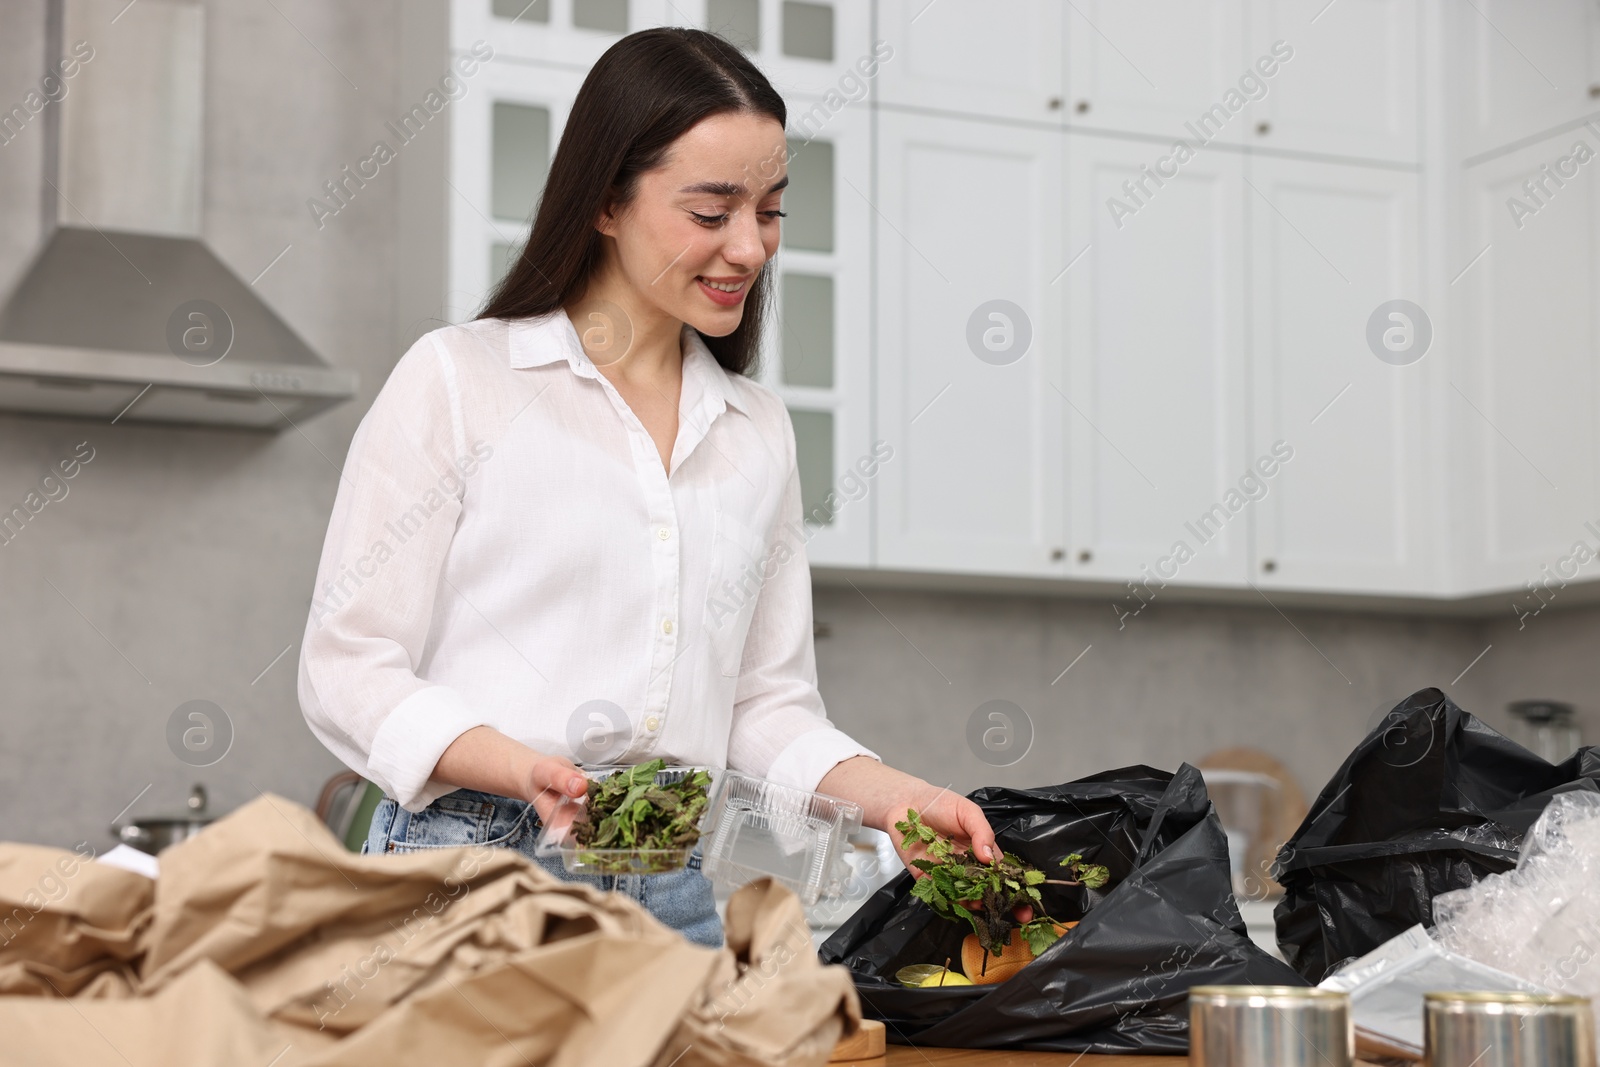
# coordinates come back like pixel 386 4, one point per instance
pixel 556 837
pixel 760 829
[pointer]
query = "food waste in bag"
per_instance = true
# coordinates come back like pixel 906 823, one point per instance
pixel 1115 978
pixel 988 896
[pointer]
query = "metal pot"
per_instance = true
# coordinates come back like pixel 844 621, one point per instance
pixel 154 833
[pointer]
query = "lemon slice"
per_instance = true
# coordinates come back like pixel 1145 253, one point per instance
pixel 929 975
pixel 945 980
pixel 911 977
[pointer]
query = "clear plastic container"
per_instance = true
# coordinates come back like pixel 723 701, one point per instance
pixel 556 838
pixel 758 829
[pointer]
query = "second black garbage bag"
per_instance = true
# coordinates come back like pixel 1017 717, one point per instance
pixel 1119 981
pixel 1432 800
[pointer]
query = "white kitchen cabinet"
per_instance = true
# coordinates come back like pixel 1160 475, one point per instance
pixel 1156 345
pixel 1350 87
pixel 488 225
pixel 1125 76
pixel 1330 243
pixel 813 48
pixel 818 355
pixel 975 57
pixel 572 33
pixel 1527 66
pixel 969 213
pixel 1522 385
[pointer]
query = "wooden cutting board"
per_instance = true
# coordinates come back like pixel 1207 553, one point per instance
pixel 1287 814
pixel 866 1046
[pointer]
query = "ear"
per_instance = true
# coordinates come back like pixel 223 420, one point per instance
pixel 609 219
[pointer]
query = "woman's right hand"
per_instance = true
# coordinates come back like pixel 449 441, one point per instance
pixel 487 760
pixel 549 779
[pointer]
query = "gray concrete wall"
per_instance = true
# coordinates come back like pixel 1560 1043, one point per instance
pixel 906 671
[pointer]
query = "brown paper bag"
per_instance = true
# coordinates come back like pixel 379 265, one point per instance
pixel 326 958
pixel 68 926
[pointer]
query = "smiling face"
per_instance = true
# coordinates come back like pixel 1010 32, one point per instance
pixel 701 225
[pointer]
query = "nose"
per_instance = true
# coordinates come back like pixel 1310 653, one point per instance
pixel 743 246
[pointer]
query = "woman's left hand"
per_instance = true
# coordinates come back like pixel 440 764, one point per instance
pixel 959 819
pixel 886 794
pixel 950 814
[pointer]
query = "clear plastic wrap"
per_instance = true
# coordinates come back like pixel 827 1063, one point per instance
pixel 1387 986
pixel 1541 920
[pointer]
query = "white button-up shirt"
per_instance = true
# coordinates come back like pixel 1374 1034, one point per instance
pixel 507 550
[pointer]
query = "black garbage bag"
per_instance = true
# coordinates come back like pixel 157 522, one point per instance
pixel 1119 981
pixel 1432 800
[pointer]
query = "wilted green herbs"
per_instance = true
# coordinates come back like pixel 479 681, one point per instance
pixel 998 887
pixel 630 810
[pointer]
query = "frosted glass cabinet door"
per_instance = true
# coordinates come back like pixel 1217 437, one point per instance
pixel 1349 88
pixel 1522 398
pixel 969 342
pixel 1157 422
pixel 1350 510
pixel 503 132
pixel 1153 65
pixel 975 57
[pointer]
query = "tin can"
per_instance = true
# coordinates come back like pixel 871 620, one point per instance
pixel 1269 1026
pixel 1508 1030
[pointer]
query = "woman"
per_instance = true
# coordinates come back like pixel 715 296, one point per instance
pixel 560 531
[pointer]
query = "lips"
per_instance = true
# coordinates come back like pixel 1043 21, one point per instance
pixel 722 297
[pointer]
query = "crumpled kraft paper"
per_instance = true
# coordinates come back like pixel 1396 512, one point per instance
pixel 265 942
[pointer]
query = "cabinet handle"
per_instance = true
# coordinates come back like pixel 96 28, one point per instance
pixel 1058 553
pixel 1269 565
pixel 1594 90
pixel 1084 555
pixel 1263 128
pixel 1055 103
pixel 1083 106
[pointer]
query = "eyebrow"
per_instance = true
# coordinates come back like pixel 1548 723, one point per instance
pixel 730 188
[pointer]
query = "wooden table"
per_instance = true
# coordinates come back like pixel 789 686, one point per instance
pixel 906 1056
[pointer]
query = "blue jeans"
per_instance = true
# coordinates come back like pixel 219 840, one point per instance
pixel 681 900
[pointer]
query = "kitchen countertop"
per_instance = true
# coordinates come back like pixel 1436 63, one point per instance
pixel 909 1056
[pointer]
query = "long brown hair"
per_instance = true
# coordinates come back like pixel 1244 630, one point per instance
pixel 639 97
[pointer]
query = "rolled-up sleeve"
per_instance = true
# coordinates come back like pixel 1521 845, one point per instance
pixel 780 728
pixel 380 573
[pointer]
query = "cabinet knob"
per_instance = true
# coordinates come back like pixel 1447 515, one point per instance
pixel 1084 555
pixel 1594 90
pixel 1269 565
pixel 1083 105
pixel 1055 103
pixel 1263 128
pixel 1058 553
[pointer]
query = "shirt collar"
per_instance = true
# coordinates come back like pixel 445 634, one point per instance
pixel 545 339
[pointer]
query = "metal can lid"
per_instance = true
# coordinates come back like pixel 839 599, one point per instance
pixel 1473 997
pixel 1271 992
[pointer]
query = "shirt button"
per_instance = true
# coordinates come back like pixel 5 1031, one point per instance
pixel 663 533
pixel 651 723
pixel 666 626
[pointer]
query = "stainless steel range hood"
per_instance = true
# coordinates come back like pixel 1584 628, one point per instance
pixel 124 313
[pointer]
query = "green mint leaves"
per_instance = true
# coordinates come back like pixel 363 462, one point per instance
pixel 630 810
pixel 996 888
